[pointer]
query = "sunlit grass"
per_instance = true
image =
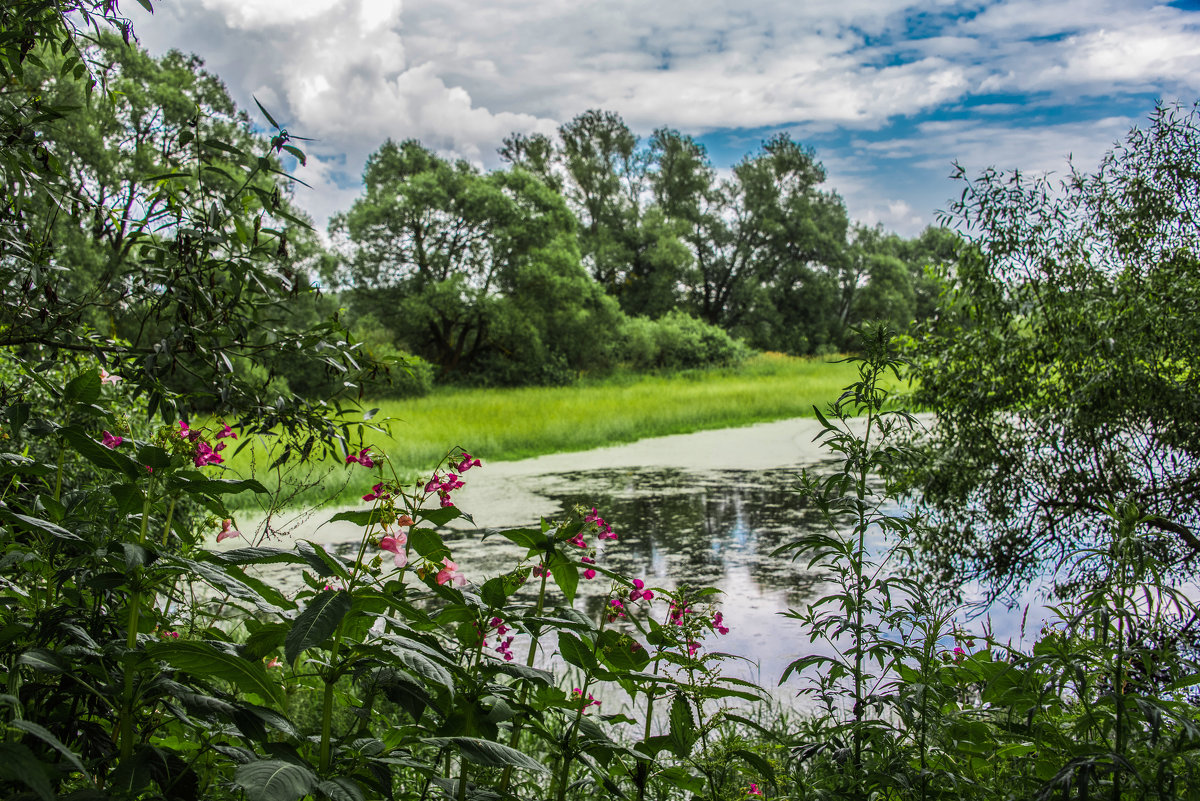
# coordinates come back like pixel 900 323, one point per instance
pixel 507 424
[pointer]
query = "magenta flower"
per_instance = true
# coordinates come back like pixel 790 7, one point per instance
pixel 227 531
pixel 226 432
pixel 754 789
pixel 396 546
pixel 111 442
pixel 589 574
pixel 206 455
pixel 450 573
pixel 363 457
pixel 466 463
pixel 377 493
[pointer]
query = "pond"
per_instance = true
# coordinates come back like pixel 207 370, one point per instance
pixel 682 515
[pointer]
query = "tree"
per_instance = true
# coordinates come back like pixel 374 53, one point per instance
pixel 475 272
pixel 1062 363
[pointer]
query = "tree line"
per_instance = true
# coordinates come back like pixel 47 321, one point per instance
pixel 589 251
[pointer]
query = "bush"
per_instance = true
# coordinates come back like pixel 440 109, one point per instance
pixel 678 341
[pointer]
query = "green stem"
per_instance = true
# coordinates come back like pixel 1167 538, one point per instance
pixel 135 608
pixel 329 677
pixel 529 660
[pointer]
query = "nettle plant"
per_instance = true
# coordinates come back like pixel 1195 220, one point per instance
pixel 140 662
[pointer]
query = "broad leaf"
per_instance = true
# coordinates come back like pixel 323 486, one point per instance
pixel 316 623
pixel 274 780
pixel 203 659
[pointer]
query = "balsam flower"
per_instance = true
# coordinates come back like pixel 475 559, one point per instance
pixel 396 546
pixel 363 457
pixel 449 572
pixel 227 531
pixel 111 442
pixel 754 789
pixel 108 378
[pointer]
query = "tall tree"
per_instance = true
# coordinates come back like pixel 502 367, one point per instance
pixel 447 257
pixel 1061 363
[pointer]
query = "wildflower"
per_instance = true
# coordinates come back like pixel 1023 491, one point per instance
pixel 591 701
pixel 206 455
pixel 363 457
pixel 169 635
pixel 226 432
pixel 188 433
pixel 227 531
pixel 693 647
pixel 274 663
pixel 450 573
pixel 718 619
pixel 466 463
pixel 754 789
pixel 377 493
pixel 111 442
pixel 589 574
pixel 108 378
pixel 396 546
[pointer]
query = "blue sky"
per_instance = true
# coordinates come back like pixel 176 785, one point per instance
pixel 889 93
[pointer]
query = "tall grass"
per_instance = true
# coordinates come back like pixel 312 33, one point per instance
pixel 507 424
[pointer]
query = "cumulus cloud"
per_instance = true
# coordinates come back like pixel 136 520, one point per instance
pixel 461 74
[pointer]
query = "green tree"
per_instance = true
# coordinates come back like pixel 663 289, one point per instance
pixel 1062 362
pixel 475 272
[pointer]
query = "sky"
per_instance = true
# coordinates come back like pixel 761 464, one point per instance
pixel 889 94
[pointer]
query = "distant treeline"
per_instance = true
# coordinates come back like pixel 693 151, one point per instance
pixel 590 251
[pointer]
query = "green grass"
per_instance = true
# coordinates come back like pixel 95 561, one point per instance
pixel 507 424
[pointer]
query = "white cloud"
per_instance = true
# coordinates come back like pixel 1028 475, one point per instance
pixel 461 74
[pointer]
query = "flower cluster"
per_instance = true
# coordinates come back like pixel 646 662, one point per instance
pixel 503 644
pixel 616 609
pixel 444 486
pixel 109 441
pixel 449 573
pixel 754 790
pixel 639 592
pixel 377 493
pixel 605 530
pixel 363 457
pixel 466 463
pixel 585 703
pixel 205 454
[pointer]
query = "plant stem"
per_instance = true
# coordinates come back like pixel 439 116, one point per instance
pixel 529 660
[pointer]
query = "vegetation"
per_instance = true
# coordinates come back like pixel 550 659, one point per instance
pixel 516 423
pixel 1062 364
pixel 139 662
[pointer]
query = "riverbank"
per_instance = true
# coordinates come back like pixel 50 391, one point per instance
pixel 507 425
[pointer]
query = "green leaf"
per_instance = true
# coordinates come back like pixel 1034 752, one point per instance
pixel 489 754
pixel 316 623
pixel 204 659
pixel 442 515
pixel 761 765
pixel 220 486
pixel 265 113
pixel 41 659
pixel 154 456
pixel 575 652
pixel 683 726
pixel 359 517
pixel 83 388
pixel 102 457
pixel 530 538
pixel 566 575
pixel 340 788
pixel 428 543
pixel 37 524
pixel 17 763
pixel 323 562
pixel 274 780
pixel 49 739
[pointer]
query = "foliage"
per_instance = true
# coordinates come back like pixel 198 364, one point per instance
pixel 1058 365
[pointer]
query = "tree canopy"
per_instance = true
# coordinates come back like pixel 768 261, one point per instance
pixel 1062 365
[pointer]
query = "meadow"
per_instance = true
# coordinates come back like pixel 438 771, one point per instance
pixel 517 423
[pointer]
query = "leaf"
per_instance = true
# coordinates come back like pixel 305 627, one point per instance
pixel 265 113
pixel 204 659
pixel 83 388
pixel 41 659
pixel 323 562
pixel 756 761
pixel 489 754
pixel 428 543
pixel 442 515
pixel 574 652
pixel 37 524
pixel 683 726
pixel 530 538
pixel 316 623
pixel 221 486
pixel 359 517
pixel 274 780
pixel 49 739
pixel 566 576
pixel 340 788
pixel 17 763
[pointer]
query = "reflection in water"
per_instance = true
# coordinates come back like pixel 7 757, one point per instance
pixel 677 527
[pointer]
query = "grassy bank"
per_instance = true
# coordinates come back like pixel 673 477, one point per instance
pixel 507 424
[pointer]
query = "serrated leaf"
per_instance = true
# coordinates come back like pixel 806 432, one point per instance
pixel 204 659
pixel 575 652
pixel 340 788
pixel 83 388
pixel 17 763
pixel 274 780
pixel 489 753
pixel 566 576
pixel 316 623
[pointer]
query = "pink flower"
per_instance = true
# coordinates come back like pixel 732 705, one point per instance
pixel 693 647
pixel 450 573
pixel 396 546
pixel 108 378
pixel 111 442
pixel 227 531
pixel 187 433
pixel 377 493
pixel 274 663
pixel 363 457
pixel 205 455
pixel 589 574
pixel 226 432
pixel 754 789
pixel 466 463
